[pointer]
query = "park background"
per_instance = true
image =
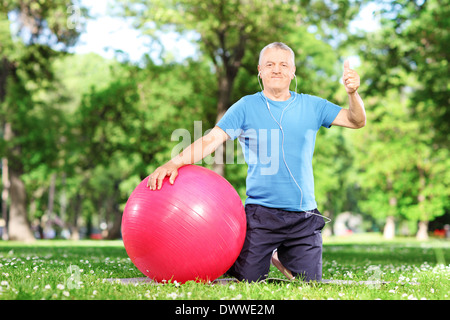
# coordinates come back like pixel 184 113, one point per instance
pixel 82 124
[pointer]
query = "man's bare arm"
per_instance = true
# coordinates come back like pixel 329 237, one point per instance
pixel 195 152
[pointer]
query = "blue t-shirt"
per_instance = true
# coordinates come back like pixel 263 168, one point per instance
pixel 280 173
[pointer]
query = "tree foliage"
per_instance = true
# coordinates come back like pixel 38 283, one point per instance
pixel 84 130
pixel 406 77
pixel 34 126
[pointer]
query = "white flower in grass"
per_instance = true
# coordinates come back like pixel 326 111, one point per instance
pixel 172 295
pixel 60 286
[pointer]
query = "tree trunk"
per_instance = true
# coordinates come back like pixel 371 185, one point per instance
pixel 113 207
pixel 4 72
pixel 5 197
pixel 114 231
pixel 422 233
pixel 389 228
pixel 225 87
pixel 75 228
pixel 227 72
pixel 51 197
pixel 63 206
pixel 19 227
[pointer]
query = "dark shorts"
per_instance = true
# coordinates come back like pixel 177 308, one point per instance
pixel 295 234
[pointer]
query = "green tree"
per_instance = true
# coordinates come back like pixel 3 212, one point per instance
pixel 32 128
pixel 403 174
pixel 406 82
pixel 418 46
pixel 120 130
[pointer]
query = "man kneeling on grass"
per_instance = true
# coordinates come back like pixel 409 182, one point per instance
pixel 283 223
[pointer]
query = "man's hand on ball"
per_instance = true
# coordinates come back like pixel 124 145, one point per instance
pixel 156 179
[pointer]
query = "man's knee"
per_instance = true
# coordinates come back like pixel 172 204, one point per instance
pixel 249 272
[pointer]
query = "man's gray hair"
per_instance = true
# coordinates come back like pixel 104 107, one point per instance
pixel 277 45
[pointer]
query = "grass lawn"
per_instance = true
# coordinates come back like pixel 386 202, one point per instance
pixel 67 270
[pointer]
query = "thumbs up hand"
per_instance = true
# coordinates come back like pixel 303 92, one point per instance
pixel 350 78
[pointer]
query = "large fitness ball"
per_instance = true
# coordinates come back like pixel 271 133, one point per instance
pixel 191 230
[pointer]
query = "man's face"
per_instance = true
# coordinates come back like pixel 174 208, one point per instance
pixel 276 69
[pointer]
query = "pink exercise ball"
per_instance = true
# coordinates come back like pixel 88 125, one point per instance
pixel 191 230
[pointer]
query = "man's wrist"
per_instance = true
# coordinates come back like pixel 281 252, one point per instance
pixel 177 161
